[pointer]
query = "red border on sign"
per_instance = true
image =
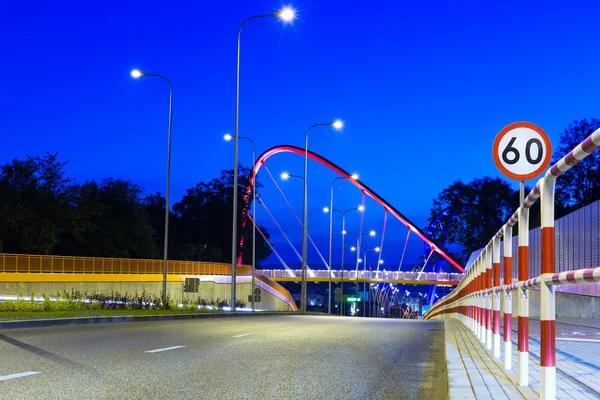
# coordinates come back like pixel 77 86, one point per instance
pixel 509 128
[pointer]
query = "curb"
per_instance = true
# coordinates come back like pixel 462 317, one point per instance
pixel 41 323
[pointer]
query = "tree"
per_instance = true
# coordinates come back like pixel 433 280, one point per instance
pixel 36 203
pixel 580 185
pixel 204 220
pixel 475 212
pixel 112 221
pixel 43 212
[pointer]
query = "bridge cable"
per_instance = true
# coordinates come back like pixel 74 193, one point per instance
pixel 424 265
pixel 280 229
pixel 296 216
pixel 382 237
pixel 272 248
pixel 359 238
pixel 404 251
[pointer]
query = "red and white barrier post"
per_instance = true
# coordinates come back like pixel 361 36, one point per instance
pixel 469 286
pixel 482 302
pixel 496 295
pixel 488 295
pixel 523 297
pixel 547 306
pixel 478 299
pixel 507 233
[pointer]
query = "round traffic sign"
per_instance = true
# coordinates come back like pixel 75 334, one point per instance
pixel 522 150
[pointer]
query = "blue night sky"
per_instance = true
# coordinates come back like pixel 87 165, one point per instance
pixel 423 88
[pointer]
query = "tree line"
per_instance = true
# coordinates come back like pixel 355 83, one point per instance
pixel 471 213
pixel 43 211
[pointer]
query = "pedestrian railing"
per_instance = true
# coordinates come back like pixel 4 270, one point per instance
pixel 476 300
pixel 26 263
pixel 384 276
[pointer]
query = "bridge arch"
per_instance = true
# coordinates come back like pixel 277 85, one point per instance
pixel 360 185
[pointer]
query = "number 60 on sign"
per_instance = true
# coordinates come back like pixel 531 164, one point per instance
pixel 522 150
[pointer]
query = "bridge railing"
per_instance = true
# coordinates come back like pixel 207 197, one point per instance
pixel 28 263
pixel 384 276
pixel 476 300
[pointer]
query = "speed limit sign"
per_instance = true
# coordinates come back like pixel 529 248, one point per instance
pixel 522 150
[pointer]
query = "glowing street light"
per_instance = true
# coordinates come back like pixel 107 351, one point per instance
pixel 136 73
pixel 354 177
pixel 337 124
pixel 286 14
pixel 228 137
pixel 285 176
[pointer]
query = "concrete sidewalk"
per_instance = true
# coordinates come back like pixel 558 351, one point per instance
pixel 474 374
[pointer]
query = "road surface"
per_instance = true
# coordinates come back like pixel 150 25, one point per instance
pixel 262 357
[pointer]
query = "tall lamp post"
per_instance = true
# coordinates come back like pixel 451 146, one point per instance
pixel 136 73
pixel 337 124
pixel 287 14
pixel 358 236
pixel 328 210
pixel 354 177
pixel 285 176
pixel 228 137
pixel 364 260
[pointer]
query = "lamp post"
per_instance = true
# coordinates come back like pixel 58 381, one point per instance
pixel 337 124
pixel 330 210
pixel 287 14
pixel 136 73
pixel 228 137
pixel 365 252
pixel 285 176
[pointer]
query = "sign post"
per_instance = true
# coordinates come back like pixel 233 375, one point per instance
pixel 521 151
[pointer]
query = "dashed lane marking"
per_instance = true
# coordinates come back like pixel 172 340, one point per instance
pixel 21 375
pixel 164 349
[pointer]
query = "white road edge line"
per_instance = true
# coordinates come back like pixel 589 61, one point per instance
pixel 578 340
pixel 165 349
pixel 21 375
pixel 242 335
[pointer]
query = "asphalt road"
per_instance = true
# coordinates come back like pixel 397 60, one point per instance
pixel 270 357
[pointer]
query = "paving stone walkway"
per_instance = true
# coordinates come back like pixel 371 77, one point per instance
pixel 474 374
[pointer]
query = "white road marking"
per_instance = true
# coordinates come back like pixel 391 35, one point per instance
pixel 21 375
pixel 245 334
pixel 165 349
pixel 579 340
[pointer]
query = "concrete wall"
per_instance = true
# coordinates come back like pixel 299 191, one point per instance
pixel 568 305
pixel 206 290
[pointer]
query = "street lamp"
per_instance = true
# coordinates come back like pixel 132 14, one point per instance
pixel 228 137
pixel 337 124
pixel 286 14
pixel 136 73
pixel 376 250
pixel 331 210
pixel 326 209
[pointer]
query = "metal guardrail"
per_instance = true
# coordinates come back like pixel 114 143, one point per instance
pixel 26 263
pixel 476 300
pixel 370 275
